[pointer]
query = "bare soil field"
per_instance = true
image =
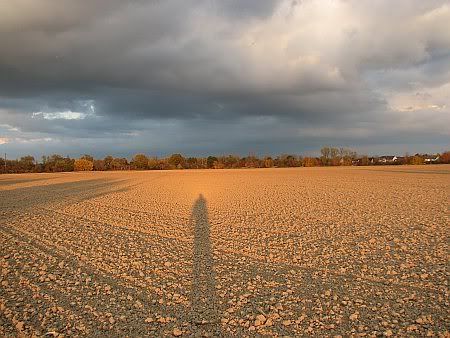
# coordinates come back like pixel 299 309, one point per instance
pixel 360 251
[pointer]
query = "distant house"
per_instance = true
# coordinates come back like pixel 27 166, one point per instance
pixel 387 159
pixel 428 159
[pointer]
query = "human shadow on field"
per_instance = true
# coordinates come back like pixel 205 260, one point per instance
pixel 204 305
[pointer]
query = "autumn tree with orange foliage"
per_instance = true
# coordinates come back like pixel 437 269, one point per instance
pixel 310 162
pixel 83 164
pixel 445 157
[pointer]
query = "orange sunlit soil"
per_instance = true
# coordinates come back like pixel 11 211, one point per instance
pixel 307 251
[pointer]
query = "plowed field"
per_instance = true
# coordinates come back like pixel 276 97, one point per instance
pixel 270 252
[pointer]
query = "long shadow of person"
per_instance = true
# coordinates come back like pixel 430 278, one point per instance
pixel 204 311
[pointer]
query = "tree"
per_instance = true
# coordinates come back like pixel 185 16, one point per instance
pixel 326 153
pixel 347 156
pixel 140 162
pixel 417 160
pixel 191 163
pixel 268 162
pixel 83 164
pixel 407 158
pixel 57 163
pixel 99 165
pixel 310 162
pixel 364 160
pixel 26 163
pixel 252 161
pixel 282 161
pixel 87 157
pixel 153 163
pixel 210 161
pixel 119 164
pixel 177 161
pixel 445 157
pixel 219 164
pixel 334 156
pixel 108 162
pixel 229 161
pixel 330 156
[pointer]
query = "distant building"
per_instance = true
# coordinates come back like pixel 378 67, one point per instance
pixel 430 159
pixel 387 159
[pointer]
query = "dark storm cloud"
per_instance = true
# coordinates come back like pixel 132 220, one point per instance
pixel 206 75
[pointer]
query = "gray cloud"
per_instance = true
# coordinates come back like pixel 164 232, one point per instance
pixel 203 76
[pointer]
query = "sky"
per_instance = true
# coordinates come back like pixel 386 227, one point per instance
pixel 223 76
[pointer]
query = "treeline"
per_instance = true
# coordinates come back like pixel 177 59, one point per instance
pixel 330 156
